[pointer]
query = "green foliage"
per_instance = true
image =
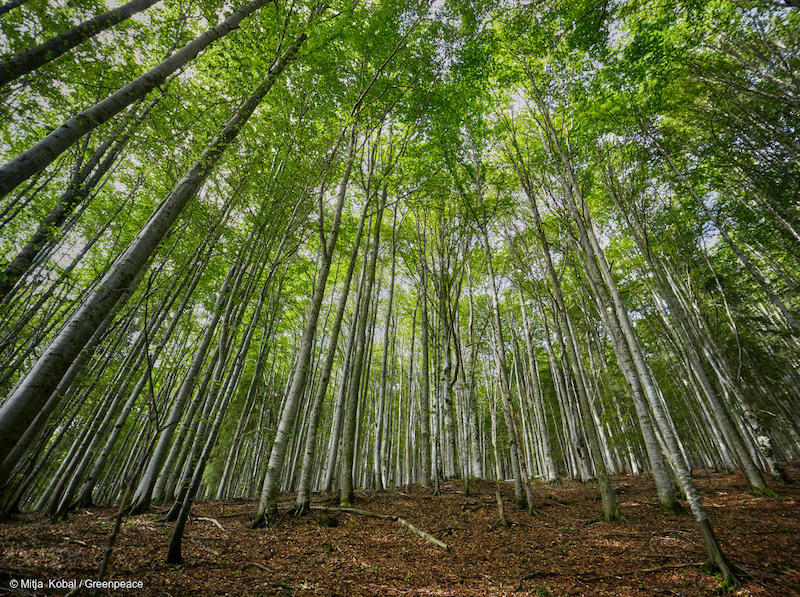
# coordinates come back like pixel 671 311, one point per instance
pixel 468 117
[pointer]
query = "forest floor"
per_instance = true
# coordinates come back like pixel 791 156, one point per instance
pixel 562 550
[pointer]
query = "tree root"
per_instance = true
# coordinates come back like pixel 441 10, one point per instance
pixel 402 521
pixel 300 509
pixel 763 492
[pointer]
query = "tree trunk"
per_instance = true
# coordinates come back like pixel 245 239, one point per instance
pixel 351 417
pixel 304 484
pixel 22 406
pixel 269 493
pixel 29 60
pixel 54 144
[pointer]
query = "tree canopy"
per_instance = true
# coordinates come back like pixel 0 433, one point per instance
pixel 256 247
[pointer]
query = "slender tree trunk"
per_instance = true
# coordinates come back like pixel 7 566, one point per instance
pixel 54 144
pixel 22 406
pixel 424 398
pixel 505 386
pixel 29 60
pixel 304 484
pixel 379 437
pixel 78 191
pixel 351 418
pixel 269 493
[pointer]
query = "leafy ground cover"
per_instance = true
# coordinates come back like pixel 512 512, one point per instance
pixel 563 549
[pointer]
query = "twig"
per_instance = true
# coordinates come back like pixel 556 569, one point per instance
pixel 641 571
pixel 499 584
pixel 590 578
pixel 257 565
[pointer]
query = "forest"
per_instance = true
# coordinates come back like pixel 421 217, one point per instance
pixel 373 297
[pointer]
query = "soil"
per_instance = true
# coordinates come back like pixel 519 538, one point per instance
pixel 562 549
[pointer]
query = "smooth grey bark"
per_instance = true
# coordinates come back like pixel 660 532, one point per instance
pixel 55 143
pixel 424 365
pixel 542 434
pixel 664 487
pixel 78 190
pixel 351 411
pixel 304 483
pixel 269 493
pixel 670 445
pixel 185 502
pixel 338 409
pixel 476 464
pixel 141 498
pixel 686 335
pixel 33 430
pixel 594 253
pixel 447 381
pixel 60 503
pixel 255 382
pixel 575 448
pixel 288 228
pixel 223 381
pixel 120 384
pixel 30 310
pixel 740 254
pixel 410 422
pixel 498 347
pixel 22 406
pixel 568 344
pixel 25 62
pixel 380 432
pixel 169 478
pixel 84 497
pixel 502 520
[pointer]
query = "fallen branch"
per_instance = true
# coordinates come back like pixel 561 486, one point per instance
pixel 216 522
pixel 402 521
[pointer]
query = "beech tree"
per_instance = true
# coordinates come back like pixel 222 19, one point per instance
pixel 260 248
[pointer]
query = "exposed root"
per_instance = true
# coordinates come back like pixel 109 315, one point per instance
pixel 259 521
pixel 763 492
pixel 674 508
pixel 300 509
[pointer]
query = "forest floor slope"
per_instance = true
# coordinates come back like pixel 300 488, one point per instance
pixel 562 550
